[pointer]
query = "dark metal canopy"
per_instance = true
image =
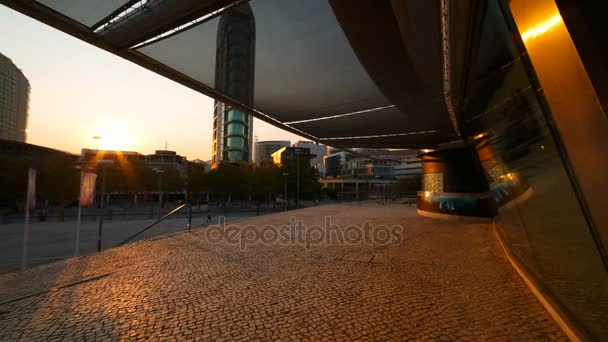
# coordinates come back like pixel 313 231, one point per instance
pixel 376 74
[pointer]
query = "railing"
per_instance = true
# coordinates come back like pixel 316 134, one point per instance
pixel 173 212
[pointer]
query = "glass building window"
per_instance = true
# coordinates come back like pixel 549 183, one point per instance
pixel 235 143
pixel 236 115
pixel 235 129
pixel 235 156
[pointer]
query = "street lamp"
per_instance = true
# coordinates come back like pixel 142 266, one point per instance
pixel 97 138
pixel 103 164
pixel 286 202
pixel 298 152
pixel 160 172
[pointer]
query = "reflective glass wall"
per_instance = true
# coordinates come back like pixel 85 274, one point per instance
pixel 540 216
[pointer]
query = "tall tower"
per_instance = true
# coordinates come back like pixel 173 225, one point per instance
pixel 234 77
pixel 14 101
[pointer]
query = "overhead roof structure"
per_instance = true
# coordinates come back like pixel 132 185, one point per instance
pixel 376 74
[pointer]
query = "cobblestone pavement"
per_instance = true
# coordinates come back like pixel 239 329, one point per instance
pixel 443 281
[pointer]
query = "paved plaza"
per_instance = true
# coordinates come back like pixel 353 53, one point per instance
pixel 437 281
pixel 52 241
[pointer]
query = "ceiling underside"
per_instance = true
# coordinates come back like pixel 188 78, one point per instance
pixel 364 74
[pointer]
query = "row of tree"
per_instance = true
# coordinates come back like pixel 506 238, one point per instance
pixel 230 182
pixel 59 177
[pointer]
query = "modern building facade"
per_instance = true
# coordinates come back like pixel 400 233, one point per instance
pixel 164 158
pixel 317 151
pixel 408 169
pixel 157 161
pixel 234 75
pixel 291 153
pixel 14 101
pixel 89 157
pixel 371 164
pixel 335 162
pixel 264 150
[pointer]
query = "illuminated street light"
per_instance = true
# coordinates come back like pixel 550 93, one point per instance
pixel 97 138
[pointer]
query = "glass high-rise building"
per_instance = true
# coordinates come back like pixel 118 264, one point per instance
pixel 14 101
pixel 265 149
pixel 234 76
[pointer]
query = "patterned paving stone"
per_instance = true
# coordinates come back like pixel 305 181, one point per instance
pixel 442 281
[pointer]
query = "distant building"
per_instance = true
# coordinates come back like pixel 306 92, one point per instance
pixel 409 169
pixel 206 164
pixel 372 164
pixel 291 153
pixel 158 160
pixel 234 76
pixel 10 149
pixel 335 162
pixel 14 101
pixel 264 150
pixel 317 151
pixel 368 168
pixel 163 158
pixel 88 157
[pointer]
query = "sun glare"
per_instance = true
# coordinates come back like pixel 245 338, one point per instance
pixel 112 137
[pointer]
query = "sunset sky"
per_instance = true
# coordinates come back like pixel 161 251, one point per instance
pixel 79 91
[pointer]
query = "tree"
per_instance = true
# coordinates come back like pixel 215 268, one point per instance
pixel 59 180
pixel 226 183
pixel 265 181
pixel 309 185
pixel 198 180
pixel 140 177
pixel 13 180
pixel 171 179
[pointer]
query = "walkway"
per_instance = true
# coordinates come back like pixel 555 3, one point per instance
pixel 441 281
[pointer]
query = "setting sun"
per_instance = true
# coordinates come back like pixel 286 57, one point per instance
pixel 112 137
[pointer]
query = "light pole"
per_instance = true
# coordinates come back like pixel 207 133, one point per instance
pixel 297 153
pixel 104 163
pixel 297 178
pixel 160 172
pixel 97 138
pixel 286 202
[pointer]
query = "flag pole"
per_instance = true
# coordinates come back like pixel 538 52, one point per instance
pixel 77 242
pixel 26 233
pixel 30 203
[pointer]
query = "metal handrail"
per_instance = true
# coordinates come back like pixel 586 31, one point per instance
pixel 171 213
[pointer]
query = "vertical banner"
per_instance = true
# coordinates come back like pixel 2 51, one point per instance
pixel 87 189
pixel 85 199
pixel 30 203
pixel 31 190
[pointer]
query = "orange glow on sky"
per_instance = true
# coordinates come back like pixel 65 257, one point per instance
pixel 114 136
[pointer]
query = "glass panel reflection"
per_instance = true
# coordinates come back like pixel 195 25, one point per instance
pixel 235 115
pixel 235 129
pixel 539 215
pixel 235 142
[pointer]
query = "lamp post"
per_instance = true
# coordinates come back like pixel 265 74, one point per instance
pixel 298 152
pixel 97 138
pixel 103 164
pixel 297 178
pixel 286 202
pixel 160 172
